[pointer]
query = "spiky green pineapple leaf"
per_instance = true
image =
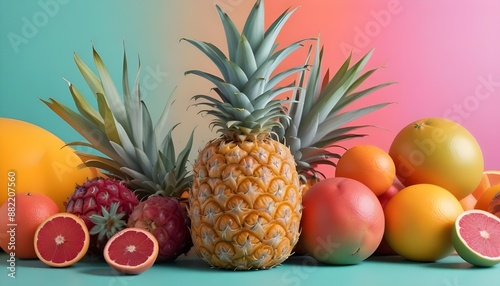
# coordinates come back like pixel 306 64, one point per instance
pixel 149 140
pixel 131 103
pixel 230 71
pixel 335 134
pixel 84 106
pixel 146 166
pixel 266 47
pixel 85 157
pixel 138 176
pixel 340 74
pixel 254 25
pixel 127 157
pixel 227 89
pixel 245 57
pixel 103 166
pixel 231 32
pixel 311 132
pixel 168 151
pixel 84 127
pixel 183 157
pixel 90 77
pixel 135 114
pixel 331 95
pixel 349 99
pixel 338 120
pixel 263 99
pixel 110 91
pixel 110 125
pixel 167 162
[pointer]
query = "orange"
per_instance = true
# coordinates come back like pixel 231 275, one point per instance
pixel 438 151
pixel 488 179
pixel 38 162
pixel 369 165
pixel 419 220
pixel 17 232
pixel 61 240
pixel 486 197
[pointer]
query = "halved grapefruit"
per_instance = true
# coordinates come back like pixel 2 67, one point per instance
pixel 489 178
pixel 131 250
pixel 476 237
pixel 486 197
pixel 61 240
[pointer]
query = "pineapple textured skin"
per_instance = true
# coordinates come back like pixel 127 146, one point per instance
pixel 245 204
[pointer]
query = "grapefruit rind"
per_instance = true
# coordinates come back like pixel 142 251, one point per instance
pixel 136 269
pixel 82 252
pixel 464 250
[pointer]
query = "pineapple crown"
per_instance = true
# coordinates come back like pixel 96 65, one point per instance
pixel 318 111
pixel 109 223
pixel 134 148
pixel 248 88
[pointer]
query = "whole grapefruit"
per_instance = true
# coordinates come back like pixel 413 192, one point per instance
pixel 438 151
pixel 342 221
pixel 37 161
pixel 20 216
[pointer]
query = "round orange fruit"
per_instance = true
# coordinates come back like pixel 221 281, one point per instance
pixel 419 220
pixel 438 151
pixel 369 165
pixel 20 216
pixel 486 197
pixel 39 162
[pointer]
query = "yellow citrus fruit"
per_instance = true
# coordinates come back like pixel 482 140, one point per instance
pixel 369 165
pixel 438 151
pixel 36 161
pixel 419 220
pixel 486 197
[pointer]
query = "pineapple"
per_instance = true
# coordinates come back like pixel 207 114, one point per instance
pixel 99 197
pixel 319 116
pixel 129 146
pixel 245 202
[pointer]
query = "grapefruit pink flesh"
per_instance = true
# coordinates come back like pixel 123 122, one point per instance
pixel 61 240
pixel 476 237
pixel 132 250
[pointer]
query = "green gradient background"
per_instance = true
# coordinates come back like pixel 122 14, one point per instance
pixel 37 69
pixel 151 29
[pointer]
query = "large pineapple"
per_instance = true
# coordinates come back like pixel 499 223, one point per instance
pixel 320 112
pixel 129 146
pixel 245 202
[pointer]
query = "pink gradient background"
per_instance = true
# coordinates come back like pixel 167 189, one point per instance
pixel 440 53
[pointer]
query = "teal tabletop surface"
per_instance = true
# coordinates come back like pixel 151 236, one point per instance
pixel 297 270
